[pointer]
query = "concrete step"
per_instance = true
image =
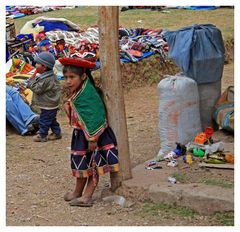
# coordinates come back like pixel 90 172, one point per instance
pixel 202 198
pixel 152 185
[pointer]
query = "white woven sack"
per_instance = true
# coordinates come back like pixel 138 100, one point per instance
pixel 179 117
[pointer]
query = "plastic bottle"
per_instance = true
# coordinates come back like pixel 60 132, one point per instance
pixel 172 180
pixel 117 199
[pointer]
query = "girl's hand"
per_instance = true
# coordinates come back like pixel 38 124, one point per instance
pixel 67 108
pixel 92 145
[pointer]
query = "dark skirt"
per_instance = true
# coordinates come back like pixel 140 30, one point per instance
pixel 104 159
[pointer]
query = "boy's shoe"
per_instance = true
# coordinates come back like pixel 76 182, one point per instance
pixel 38 138
pixel 30 128
pixel 54 136
pixel 33 126
pixel 35 123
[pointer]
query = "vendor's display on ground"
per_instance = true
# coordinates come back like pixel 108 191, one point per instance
pixel 64 39
pixel 22 11
pixel 204 151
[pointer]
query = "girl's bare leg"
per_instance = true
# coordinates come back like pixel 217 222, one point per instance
pixel 79 187
pixel 88 193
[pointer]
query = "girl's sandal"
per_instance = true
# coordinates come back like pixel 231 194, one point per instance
pixel 77 202
pixel 69 196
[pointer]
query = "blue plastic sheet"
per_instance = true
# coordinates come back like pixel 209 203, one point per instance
pixel 200 7
pixel 53 25
pixel 18 113
pixel 199 51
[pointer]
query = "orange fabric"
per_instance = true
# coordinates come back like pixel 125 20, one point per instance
pixel 135 53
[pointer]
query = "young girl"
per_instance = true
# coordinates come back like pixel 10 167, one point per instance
pixel 93 146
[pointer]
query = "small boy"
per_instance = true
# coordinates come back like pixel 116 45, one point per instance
pixel 46 95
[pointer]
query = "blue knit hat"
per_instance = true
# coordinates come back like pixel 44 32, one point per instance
pixel 46 59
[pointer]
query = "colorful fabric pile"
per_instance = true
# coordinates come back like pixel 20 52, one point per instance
pixel 22 11
pixel 224 113
pixel 63 38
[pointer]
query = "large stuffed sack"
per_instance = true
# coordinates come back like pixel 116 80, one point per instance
pixel 178 111
pixel 209 94
pixel 199 51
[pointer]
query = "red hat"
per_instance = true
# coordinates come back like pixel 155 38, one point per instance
pixel 79 62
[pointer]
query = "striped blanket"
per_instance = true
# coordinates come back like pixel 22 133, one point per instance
pixel 224 113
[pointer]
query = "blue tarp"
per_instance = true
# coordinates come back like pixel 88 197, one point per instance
pixel 53 25
pixel 18 15
pixel 18 113
pixel 9 7
pixel 145 55
pixel 200 7
pixel 198 50
pixel 7 54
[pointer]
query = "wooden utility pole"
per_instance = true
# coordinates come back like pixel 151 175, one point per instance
pixel 112 87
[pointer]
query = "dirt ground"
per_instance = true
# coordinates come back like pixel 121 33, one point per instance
pixel 38 174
